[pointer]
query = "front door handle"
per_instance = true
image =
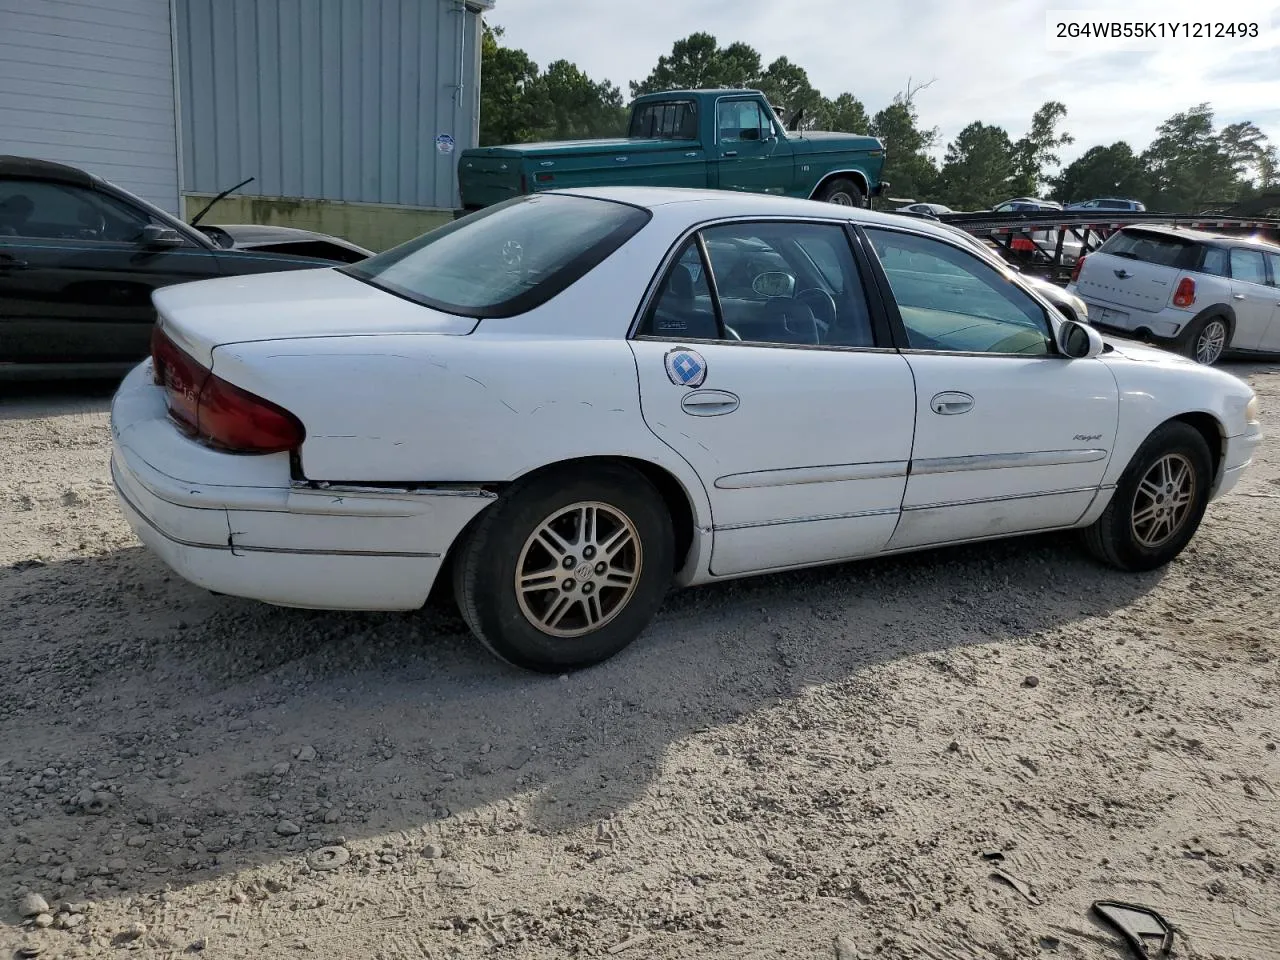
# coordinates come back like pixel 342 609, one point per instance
pixel 709 403
pixel 12 263
pixel 950 403
pixel 1238 296
pixel 731 153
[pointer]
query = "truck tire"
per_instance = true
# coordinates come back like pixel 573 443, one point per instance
pixel 843 193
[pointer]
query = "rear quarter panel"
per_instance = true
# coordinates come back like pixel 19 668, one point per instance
pixel 475 409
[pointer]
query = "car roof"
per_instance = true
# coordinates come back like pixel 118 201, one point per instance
pixel 32 169
pixel 1200 236
pixel 700 204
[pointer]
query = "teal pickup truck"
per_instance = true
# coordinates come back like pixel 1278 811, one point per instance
pixel 722 139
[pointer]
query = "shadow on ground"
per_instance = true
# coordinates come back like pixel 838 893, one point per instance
pixel 186 713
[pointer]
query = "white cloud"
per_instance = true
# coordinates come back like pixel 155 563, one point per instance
pixel 991 58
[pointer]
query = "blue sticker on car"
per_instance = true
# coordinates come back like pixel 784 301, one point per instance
pixel 686 368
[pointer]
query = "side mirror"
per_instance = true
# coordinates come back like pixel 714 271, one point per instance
pixel 157 236
pixel 1079 341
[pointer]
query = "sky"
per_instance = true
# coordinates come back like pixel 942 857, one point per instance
pixel 990 60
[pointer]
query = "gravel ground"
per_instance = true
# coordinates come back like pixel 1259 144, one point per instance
pixel 824 764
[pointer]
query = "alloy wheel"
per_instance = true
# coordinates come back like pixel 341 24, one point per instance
pixel 578 569
pixel 1211 342
pixel 1163 501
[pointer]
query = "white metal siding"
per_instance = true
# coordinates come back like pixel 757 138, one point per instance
pixel 90 83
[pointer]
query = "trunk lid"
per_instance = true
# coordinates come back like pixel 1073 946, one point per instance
pixel 292 305
pixel 1136 270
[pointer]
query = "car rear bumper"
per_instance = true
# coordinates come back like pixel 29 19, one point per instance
pixel 238 525
pixel 1165 324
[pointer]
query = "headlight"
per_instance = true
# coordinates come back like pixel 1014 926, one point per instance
pixel 1251 410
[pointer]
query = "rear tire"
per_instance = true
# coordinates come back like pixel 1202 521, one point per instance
pixel 1158 503
pixel 843 193
pixel 1206 339
pixel 566 569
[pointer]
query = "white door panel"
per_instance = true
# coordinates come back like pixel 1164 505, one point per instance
pixel 989 518
pixel 1271 337
pixel 809 465
pixel 1025 456
pixel 1251 299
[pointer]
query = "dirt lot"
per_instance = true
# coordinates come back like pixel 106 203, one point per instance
pixel 777 763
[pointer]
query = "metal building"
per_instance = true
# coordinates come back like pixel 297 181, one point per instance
pixel 91 83
pixel 348 113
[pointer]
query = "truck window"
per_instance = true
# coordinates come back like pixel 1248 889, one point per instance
pixel 742 120
pixel 665 120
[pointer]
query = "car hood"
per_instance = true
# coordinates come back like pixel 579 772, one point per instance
pixel 246 236
pixel 1144 352
pixel 292 305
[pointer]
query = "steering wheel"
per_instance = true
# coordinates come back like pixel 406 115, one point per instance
pixel 823 306
pixel 93 224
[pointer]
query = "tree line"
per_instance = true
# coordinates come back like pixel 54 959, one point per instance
pixel 1191 165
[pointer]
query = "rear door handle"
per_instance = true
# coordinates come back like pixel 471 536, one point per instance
pixel 12 263
pixel 731 153
pixel 950 403
pixel 709 403
pixel 1238 296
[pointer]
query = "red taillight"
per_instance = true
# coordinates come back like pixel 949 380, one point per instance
pixel 1185 295
pixel 545 177
pixel 1075 271
pixel 217 413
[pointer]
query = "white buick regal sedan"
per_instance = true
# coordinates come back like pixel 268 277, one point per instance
pixel 569 402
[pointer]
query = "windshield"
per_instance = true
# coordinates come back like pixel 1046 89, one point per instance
pixel 506 260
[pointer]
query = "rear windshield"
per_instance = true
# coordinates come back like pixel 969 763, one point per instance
pixel 665 120
pixel 505 260
pixel 1157 248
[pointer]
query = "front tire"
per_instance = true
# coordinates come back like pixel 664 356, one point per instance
pixel 566 569
pixel 843 193
pixel 1207 339
pixel 1158 503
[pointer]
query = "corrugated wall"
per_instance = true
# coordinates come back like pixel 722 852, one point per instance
pixel 327 99
pixel 90 83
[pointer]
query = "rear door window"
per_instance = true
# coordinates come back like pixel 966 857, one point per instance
pixel 507 259
pixel 1248 266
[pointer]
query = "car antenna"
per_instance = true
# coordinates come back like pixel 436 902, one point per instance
pixel 209 206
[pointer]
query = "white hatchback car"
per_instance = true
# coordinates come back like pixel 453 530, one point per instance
pixel 570 401
pixel 1201 294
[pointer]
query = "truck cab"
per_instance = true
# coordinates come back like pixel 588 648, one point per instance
pixel 718 139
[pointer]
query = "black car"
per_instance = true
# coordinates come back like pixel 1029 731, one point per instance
pixel 79 258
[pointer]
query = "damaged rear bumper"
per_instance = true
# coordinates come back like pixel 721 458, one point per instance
pixel 244 529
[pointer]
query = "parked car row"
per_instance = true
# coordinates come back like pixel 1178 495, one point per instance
pixel 80 259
